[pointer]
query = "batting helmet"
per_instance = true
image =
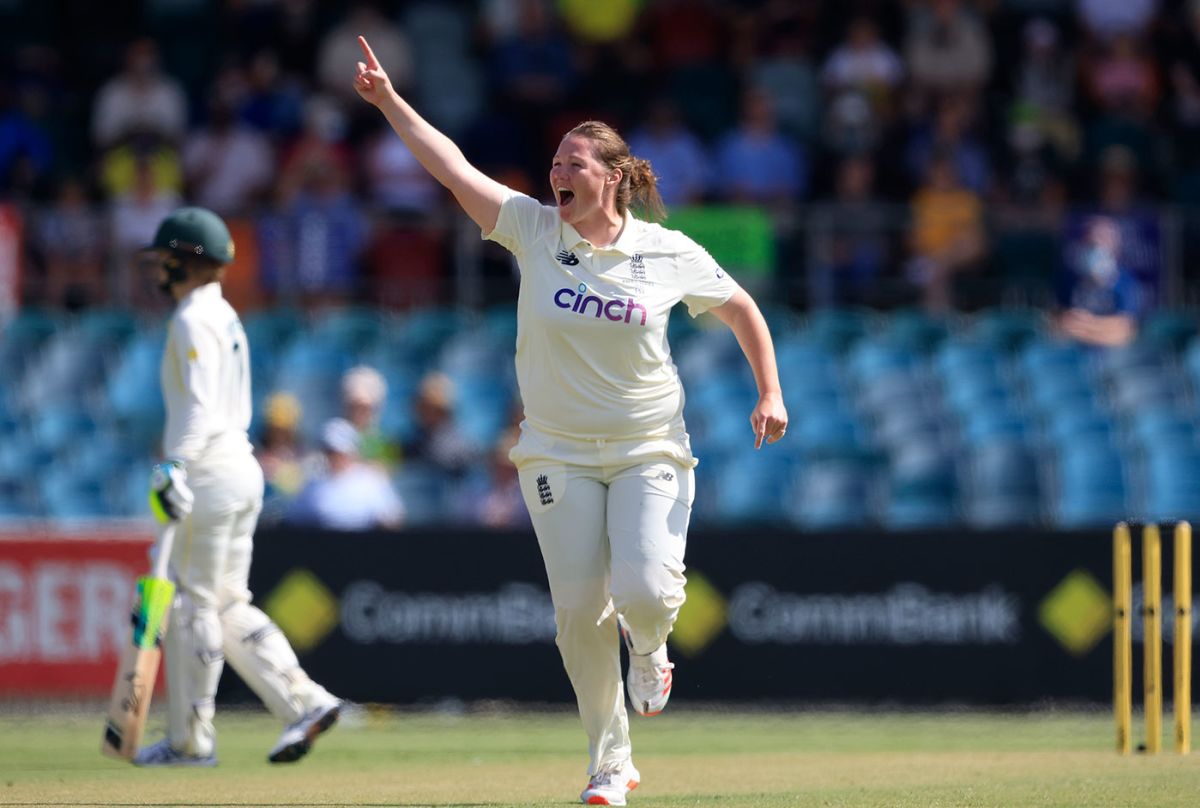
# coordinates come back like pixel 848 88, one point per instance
pixel 195 231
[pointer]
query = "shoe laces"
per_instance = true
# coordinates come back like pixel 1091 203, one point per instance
pixel 606 777
pixel 647 673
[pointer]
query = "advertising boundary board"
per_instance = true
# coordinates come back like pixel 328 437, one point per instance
pixel 418 616
pixel 948 617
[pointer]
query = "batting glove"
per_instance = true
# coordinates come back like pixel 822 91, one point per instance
pixel 170 497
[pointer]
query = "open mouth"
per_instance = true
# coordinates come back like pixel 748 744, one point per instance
pixel 565 197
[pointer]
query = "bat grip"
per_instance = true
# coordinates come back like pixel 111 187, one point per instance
pixel 166 538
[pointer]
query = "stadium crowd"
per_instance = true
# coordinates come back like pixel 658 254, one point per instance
pixel 938 138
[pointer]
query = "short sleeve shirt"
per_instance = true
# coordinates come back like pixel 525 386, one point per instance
pixel 592 356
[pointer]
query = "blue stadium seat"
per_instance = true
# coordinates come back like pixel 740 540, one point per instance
pixel 1168 330
pixel 22 337
pixel 354 331
pixel 831 494
pixel 271 329
pixel 1003 487
pixel 922 488
pixel 1007 330
pixel 61 429
pixel 66 495
pixel 1044 358
pixel 871 357
pixel 836 329
pixel 1091 489
pixel 133 390
pixel 915 331
pixel 750 487
pixel 1172 483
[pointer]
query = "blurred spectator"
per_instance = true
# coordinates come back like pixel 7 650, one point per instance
pixel 1138 223
pixel 1044 89
pixel 1122 78
pixel 685 32
pixel 26 150
pixel 273 102
pixel 69 237
pixel 139 99
pixel 279 451
pixel 311 250
pixel 122 166
pixel 786 75
pixel 1099 298
pixel 1108 19
pixel 1182 59
pixel 947 49
pixel 395 180
pixel 363 394
pixel 438 440
pixel 133 218
pixel 950 134
pixel 758 163
pixel 589 21
pixel 947 233
pixel 677 155
pixel 864 64
pixel 350 495
pixel 495 492
pixel 339 49
pixel 227 165
pixel 533 67
pixel 850 239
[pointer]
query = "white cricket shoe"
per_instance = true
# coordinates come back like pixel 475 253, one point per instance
pixel 163 754
pixel 649 679
pixel 297 739
pixel 610 785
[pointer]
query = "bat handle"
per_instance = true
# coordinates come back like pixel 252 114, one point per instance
pixel 166 538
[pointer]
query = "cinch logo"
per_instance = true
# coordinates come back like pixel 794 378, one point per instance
pixel 614 310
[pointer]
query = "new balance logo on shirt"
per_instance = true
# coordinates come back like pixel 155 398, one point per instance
pixel 566 258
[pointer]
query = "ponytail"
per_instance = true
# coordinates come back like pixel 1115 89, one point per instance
pixel 643 190
pixel 639 187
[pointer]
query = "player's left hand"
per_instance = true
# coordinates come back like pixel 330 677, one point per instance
pixel 170 497
pixel 769 419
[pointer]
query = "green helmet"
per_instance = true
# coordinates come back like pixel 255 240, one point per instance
pixel 195 231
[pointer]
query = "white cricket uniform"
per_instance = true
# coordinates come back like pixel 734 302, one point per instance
pixel 604 459
pixel 205 378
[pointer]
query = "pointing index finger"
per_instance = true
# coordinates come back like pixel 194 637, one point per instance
pixel 372 62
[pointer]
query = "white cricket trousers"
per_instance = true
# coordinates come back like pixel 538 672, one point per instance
pixel 613 540
pixel 212 619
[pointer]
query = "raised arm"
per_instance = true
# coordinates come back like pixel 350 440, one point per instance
pixel 478 194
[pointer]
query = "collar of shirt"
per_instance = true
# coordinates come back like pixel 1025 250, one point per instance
pixel 625 244
pixel 208 291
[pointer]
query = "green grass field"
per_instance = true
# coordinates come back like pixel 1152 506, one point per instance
pixel 687 758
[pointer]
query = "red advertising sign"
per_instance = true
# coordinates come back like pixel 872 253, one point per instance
pixel 64 612
pixel 10 260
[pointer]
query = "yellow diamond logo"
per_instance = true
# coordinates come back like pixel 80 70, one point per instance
pixel 304 608
pixel 702 617
pixel 1077 612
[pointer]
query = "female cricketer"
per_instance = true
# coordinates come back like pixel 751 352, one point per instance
pixel 604 460
pixel 212 486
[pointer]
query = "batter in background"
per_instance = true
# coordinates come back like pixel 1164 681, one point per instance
pixel 212 485
pixel 604 460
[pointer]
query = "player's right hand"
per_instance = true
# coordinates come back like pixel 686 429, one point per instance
pixel 372 82
pixel 170 497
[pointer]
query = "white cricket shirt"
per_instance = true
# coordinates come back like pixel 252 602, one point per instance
pixel 205 377
pixel 593 363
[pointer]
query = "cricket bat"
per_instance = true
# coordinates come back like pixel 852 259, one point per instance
pixel 138 668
